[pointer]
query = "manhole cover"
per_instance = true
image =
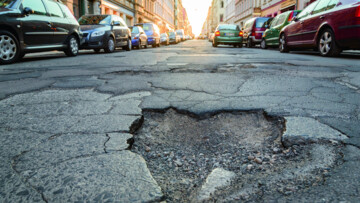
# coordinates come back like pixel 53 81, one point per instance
pixel 227 156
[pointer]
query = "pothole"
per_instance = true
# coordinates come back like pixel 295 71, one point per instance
pixel 228 156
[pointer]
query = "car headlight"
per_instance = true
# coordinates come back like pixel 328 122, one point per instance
pixel 264 34
pixel 97 33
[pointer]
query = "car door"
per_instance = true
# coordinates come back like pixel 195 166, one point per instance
pixel 60 25
pixel 270 33
pixel 295 29
pixel 37 26
pixel 312 22
pixel 116 29
pixel 276 30
pixel 125 31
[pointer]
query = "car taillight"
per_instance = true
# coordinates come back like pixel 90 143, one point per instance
pixel 135 37
pixel 241 34
pixel 217 33
pixel 357 14
pixel 291 16
pixel 252 33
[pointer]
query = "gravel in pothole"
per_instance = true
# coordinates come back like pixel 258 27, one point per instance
pixel 182 149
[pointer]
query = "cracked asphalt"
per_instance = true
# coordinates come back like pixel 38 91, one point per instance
pixel 66 124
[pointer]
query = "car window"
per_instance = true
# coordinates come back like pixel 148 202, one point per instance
pixel 282 19
pixel 122 22
pixel 346 2
pixel 36 5
pixel 66 11
pixel 7 3
pixel 141 30
pixel 147 27
pixel 135 30
pixel 321 6
pixel 228 27
pixel 261 22
pixel 332 4
pixel 274 21
pixel 95 20
pixel 54 9
pixel 307 10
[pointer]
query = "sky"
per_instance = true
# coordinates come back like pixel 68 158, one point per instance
pixel 197 13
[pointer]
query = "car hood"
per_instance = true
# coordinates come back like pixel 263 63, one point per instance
pixel 94 27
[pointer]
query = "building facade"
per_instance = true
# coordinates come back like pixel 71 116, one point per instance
pixel 230 11
pixel 164 14
pixel 245 10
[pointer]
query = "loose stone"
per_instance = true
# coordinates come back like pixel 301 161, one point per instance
pixel 249 167
pixel 258 160
pixel 251 157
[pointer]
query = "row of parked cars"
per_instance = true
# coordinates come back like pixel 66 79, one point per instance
pixel 329 26
pixel 28 26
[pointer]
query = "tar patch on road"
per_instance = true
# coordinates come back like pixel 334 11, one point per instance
pixel 228 156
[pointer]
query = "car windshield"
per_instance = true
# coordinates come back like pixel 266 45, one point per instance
pixel 163 35
pixel 179 32
pixel 171 33
pixel 95 20
pixel 146 27
pixel 261 22
pixel 228 27
pixel 6 3
pixel 134 30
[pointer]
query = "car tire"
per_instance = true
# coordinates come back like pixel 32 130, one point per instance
pixel 97 50
pixel 327 45
pixel 9 48
pixel 263 44
pixel 110 45
pixel 240 45
pixel 128 46
pixel 283 48
pixel 249 43
pixel 72 46
pixel 214 44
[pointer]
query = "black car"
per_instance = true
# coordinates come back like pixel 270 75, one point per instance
pixel 105 32
pixel 36 25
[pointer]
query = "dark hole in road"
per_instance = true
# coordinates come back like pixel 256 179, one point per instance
pixel 182 149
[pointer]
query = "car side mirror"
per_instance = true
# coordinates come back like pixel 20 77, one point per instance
pixel 116 23
pixel 27 11
pixel 295 19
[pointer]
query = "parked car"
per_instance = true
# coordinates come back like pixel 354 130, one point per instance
pixel 228 34
pixel 164 39
pixel 253 30
pixel 153 33
pixel 33 26
pixel 174 38
pixel 271 35
pixel 211 37
pixel 105 32
pixel 328 25
pixel 138 37
pixel 181 33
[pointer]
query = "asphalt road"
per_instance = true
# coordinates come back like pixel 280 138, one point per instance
pixel 65 121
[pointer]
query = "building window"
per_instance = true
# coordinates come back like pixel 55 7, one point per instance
pixel 222 4
pixel 221 18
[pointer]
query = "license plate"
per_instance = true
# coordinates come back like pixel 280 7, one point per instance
pixel 229 34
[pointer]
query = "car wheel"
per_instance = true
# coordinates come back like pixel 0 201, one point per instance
pixel 110 47
pixel 327 44
pixel 283 48
pixel 73 46
pixel 240 45
pixel 9 48
pixel 214 44
pixel 234 45
pixel 129 45
pixel 263 44
pixel 96 50
pixel 249 43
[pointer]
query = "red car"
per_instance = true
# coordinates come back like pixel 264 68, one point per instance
pixel 327 25
pixel 254 29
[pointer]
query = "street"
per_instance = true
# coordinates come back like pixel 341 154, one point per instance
pixel 181 123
